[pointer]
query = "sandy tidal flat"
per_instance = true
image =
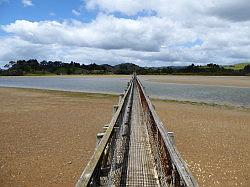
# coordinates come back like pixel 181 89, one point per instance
pixel 236 81
pixel 48 137
pixel 214 141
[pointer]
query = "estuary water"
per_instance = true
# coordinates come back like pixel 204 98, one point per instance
pixel 234 96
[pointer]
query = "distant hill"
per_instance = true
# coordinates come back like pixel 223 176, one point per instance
pixel 163 67
pixel 126 68
pixel 33 67
pixel 239 66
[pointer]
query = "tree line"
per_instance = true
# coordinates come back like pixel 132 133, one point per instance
pixel 33 67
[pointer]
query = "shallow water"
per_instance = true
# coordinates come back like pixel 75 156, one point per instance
pixel 210 94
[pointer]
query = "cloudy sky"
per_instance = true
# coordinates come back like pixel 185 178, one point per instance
pixel 144 32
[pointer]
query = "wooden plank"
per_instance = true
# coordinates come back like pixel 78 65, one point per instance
pixel 180 164
pixel 175 157
pixel 88 172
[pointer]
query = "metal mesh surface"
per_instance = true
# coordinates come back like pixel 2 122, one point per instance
pixel 137 150
pixel 141 168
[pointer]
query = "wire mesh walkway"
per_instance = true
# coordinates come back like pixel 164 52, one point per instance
pixel 135 149
pixel 141 168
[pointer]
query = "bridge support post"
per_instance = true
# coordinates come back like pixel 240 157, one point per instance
pixel 115 107
pixel 99 138
pixel 120 97
pixel 171 135
pixel 105 128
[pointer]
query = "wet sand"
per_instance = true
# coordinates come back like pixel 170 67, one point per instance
pixel 47 137
pixel 236 81
pixel 213 140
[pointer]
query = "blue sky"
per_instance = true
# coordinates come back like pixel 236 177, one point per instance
pixel 13 10
pixel 145 32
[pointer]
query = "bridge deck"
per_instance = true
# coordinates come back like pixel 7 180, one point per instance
pixel 136 150
pixel 141 170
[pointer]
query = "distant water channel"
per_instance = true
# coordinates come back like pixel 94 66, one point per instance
pixel 210 94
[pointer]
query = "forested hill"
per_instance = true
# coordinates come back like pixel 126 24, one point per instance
pixel 33 67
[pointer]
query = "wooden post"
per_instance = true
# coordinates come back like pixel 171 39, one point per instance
pixel 120 97
pixel 171 135
pixel 98 138
pixel 115 107
pixel 105 128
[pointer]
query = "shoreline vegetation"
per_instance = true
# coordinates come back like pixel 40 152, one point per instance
pixel 115 95
pixel 48 136
pixel 33 67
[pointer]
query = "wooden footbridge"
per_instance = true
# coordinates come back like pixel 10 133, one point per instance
pixel 135 149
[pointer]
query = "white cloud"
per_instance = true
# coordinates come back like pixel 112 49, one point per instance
pixel 231 10
pixel 128 7
pixel 106 32
pixel 169 8
pixel 76 13
pixel 15 48
pixel 27 3
pixel 181 32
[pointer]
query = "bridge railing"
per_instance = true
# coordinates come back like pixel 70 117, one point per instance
pixel 171 168
pixel 97 170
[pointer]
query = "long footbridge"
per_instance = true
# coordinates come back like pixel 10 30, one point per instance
pixel 135 149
